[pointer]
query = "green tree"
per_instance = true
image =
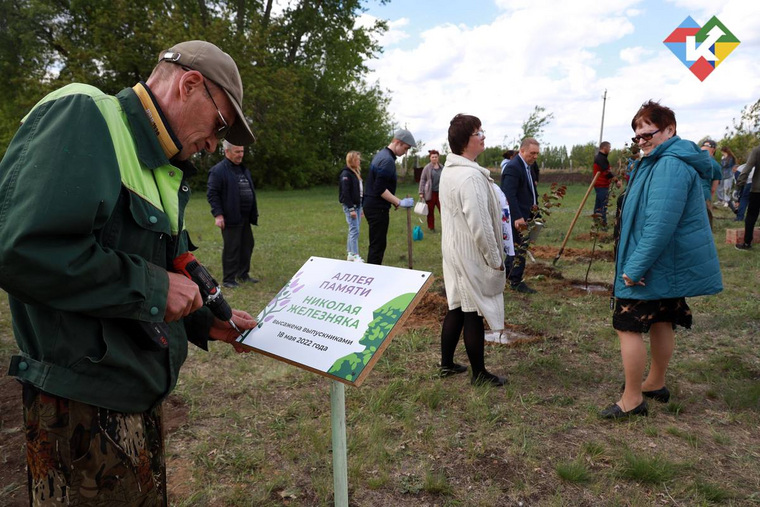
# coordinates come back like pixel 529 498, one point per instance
pixel 303 70
pixel 536 123
pixel 554 157
pixel 582 155
pixel 744 134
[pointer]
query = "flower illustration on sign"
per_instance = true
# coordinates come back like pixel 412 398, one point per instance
pixel 277 304
pixel 701 48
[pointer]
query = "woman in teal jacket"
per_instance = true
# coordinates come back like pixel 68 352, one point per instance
pixel 665 254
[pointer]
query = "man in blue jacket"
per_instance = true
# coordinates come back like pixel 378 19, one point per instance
pixel 520 190
pixel 379 193
pixel 233 203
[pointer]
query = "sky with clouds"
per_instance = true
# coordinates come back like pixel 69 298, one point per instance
pixel 498 59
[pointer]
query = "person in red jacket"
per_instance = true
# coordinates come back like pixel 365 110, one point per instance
pixel 602 184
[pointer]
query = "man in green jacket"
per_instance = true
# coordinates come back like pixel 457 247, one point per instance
pixel 92 199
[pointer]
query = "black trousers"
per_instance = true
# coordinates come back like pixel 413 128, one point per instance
pixel 515 264
pixel 750 219
pixel 236 255
pixel 377 220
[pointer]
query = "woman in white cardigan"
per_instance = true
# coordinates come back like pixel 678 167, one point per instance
pixel 472 247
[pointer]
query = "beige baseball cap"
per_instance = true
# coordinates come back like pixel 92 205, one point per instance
pixel 220 68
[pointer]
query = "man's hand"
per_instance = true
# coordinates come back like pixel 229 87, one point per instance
pixel 219 221
pixel 353 214
pixel 223 332
pixel 406 202
pixel 183 299
pixel 520 224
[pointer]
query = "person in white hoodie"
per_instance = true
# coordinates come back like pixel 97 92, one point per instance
pixel 472 248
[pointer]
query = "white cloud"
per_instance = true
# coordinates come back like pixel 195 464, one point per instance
pixel 539 52
pixel 393 35
pixel 635 54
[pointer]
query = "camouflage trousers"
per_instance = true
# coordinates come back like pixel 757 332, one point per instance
pixel 78 454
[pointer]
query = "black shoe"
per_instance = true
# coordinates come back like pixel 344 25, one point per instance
pixel 485 379
pixel 452 369
pixel 615 412
pixel 522 287
pixel 662 395
pixel 248 279
pixel 743 246
pixel 230 285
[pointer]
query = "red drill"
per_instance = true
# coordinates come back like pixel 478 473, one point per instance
pixel 211 293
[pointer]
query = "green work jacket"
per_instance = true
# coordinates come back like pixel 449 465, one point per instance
pixel 91 216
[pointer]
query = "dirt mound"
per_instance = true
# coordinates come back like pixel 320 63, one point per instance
pixel 429 312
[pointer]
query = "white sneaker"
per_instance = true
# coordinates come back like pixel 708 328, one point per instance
pixel 493 336
pixel 350 257
pixel 357 258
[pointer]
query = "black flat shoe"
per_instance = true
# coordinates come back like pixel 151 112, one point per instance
pixel 615 412
pixel 662 395
pixel 485 378
pixel 452 369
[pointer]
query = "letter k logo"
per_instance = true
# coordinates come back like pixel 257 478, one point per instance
pixel 701 49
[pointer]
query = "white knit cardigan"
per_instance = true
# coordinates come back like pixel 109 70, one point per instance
pixel 471 240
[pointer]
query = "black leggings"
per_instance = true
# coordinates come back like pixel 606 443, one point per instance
pixel 750 219
pixel 474 338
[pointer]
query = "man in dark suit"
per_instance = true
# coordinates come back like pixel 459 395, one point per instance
pixel 520 190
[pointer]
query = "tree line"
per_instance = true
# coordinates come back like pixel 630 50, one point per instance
pixel 303 70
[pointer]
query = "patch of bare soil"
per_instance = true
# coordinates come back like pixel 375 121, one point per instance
pixel 13 445
pixel 576 254
pixel 431 310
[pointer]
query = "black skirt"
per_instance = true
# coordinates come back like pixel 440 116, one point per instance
pixel 637 316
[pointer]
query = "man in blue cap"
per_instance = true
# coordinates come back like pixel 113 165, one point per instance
pixel 379 191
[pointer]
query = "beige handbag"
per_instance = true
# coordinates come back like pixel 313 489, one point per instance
pixel 421 208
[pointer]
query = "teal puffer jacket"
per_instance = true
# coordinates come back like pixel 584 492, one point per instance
pixel 665 236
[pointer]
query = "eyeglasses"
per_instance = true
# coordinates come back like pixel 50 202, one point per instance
pixel 221 132
pixel 480 133
pixel 645 137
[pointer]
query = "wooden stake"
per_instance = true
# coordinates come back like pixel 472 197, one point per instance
pixel 577 214
pixel 409 235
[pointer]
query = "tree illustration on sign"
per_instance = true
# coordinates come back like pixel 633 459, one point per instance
pixel 277 304
pixel 349 367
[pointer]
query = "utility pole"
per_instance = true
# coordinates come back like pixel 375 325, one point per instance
pixel 601 131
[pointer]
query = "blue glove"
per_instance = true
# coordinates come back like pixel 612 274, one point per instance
pixel 406 202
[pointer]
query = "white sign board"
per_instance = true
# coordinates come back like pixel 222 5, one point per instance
pixel 336 317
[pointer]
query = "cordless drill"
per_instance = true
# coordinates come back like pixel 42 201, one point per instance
pixel 211 294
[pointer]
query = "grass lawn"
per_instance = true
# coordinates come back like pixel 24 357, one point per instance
pixel 249 430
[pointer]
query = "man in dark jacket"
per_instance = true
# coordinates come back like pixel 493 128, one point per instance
pixel 520 190
pixel 233 203
pixel 603 181
pixel 753 208
pixel 379 193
